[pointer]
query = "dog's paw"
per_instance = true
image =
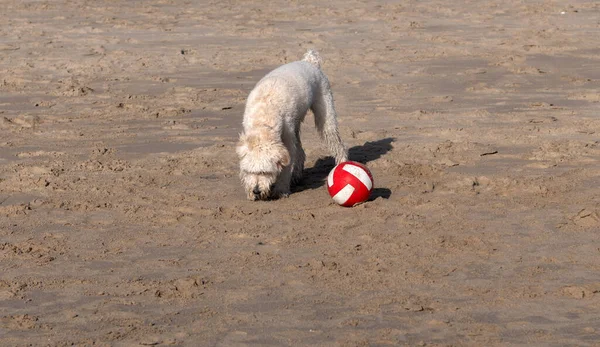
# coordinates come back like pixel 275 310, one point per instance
pixel 280 195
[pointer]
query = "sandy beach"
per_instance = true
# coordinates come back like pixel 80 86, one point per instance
pixel 123 221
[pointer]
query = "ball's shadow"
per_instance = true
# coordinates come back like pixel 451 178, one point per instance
pixel 315 176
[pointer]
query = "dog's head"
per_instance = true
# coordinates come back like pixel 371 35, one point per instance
pixel 261 162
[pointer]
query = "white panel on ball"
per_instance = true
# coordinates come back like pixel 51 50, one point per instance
pixel 344 194
pixel 359 173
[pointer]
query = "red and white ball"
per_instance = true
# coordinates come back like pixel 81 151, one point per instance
pixel 350 183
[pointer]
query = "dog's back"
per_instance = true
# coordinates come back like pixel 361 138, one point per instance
pixel 304 77
pixel 302 71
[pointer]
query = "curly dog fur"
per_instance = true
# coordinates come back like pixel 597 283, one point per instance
pixel 270 150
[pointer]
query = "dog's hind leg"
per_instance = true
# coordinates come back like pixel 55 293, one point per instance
pixel 326 123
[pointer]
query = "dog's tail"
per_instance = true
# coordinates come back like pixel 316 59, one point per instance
pixel 313 57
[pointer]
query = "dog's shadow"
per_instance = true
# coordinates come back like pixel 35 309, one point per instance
pixel 315 176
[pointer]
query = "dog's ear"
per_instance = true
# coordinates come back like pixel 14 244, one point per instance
pixel 242 147
pixel 283 157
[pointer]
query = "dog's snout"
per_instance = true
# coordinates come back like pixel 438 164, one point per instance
pixel 256 190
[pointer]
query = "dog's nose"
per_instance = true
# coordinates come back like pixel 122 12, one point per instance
pixel 256 190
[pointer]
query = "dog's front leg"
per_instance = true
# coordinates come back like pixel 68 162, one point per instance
pixel 298 155
pixel 282 185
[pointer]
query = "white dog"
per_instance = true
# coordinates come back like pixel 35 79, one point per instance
pixel 270 151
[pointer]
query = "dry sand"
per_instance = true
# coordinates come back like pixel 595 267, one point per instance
pixel 122 221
